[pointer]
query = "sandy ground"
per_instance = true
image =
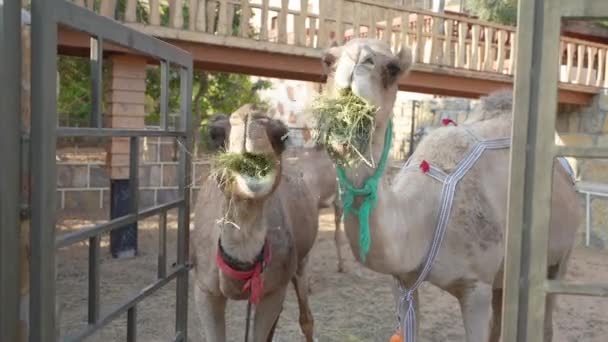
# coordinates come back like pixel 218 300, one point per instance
pixel 354 306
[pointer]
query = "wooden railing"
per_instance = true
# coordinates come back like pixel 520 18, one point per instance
pixel 436 39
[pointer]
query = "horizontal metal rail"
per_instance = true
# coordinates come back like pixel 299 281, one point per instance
pixel 582 152
pixel 113 132
pixel 81 19
pixel 95 230
pixel 122 308
pixel 592 290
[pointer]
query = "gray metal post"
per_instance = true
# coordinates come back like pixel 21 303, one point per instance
pixel 43 170
pixel 10 158
pixel 532 156
pixel 183 228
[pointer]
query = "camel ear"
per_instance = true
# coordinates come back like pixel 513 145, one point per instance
pixel 405 60
pixel 329 57
pixel 277 133
pixel 219 130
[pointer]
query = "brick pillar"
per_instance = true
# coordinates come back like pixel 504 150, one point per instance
pixel 124 109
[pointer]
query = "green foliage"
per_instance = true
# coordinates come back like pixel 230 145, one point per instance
pixel 499 11
pixel 74 101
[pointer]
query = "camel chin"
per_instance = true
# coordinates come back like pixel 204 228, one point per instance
pixel 248 187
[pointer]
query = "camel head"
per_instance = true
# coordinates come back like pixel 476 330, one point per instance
pixel 368 68
pixel 362 86
pixel 219 125
pixel 250 168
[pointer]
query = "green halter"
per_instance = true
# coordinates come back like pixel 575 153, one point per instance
pixel 369 192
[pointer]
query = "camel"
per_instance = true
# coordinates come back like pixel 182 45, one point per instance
pixel 247 225
pixel 300 161
pixel 470 260
pixel 319 174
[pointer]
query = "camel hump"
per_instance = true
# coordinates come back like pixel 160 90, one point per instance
pixel 496 104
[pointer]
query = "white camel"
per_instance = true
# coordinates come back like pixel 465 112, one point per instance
pixel 469 261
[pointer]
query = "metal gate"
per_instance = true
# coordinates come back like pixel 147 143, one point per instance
pixel 47 15
pixel 532 155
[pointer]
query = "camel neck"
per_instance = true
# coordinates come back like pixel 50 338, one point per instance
pixel 244 230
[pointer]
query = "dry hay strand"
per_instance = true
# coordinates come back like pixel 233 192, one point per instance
pixel 252 165
pixel 345 123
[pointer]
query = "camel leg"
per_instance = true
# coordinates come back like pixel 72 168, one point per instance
pixel 306 319
pixel 274 328
pixel 496 315
pixel 476 307
pixel 338 234
pixel 267 314
pixel 212 315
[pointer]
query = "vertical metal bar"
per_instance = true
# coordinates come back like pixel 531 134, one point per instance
pixel 96 80
pixel 588 219
pixel 532 155
pixel 412 128
pixel 93 280
pixel 10 158
pixel 132 324
pixel 162 245
pixel 134 174
pixel 43 170
pixel 183 228
pixel 164 93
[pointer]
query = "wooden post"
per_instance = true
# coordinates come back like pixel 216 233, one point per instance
pixel 419 38
pixel 473 63
pixel 591 53
pixel 130 11
pixel 488 60
pixel 282 31
pixel 264 25
pixel 125 109
pixel 502 40
pixel 340 22
pixel 405 30
pixel 245 15
pixel 600 67
pixel 300 29
pixel 155 12
pixel 176 14
pixel 108 8
pixel 357 20
pixel 222 26
pixel 447 52
pixel 322 31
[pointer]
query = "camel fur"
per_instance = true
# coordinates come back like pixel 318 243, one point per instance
pixel 300 162
pixel 244 214
pixel 470 261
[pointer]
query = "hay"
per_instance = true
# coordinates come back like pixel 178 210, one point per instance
pixel 345 122
pixel 247 164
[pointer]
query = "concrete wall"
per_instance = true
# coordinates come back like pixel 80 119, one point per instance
pixel 578 126
pixel 85 186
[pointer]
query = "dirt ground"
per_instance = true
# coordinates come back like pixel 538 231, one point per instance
pixel 353 306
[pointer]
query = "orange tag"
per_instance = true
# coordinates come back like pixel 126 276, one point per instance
pixel 396 338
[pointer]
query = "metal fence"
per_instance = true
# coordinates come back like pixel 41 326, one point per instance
pixel 532 157
pixel 47 15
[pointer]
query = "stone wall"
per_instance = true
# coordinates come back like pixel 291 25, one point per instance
pixel 588 126
pixel 84 186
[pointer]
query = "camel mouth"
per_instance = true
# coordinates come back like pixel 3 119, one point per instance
pixel 345 126
pixel 246 175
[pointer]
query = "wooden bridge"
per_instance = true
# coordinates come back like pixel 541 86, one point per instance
pixel 455 55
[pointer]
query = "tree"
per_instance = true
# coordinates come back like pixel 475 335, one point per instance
pixel 499 11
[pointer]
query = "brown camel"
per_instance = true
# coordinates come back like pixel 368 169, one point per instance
pixel 306 162
pixel 250 222
pixel 469 263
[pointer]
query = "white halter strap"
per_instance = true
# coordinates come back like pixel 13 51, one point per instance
pixel 405 307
